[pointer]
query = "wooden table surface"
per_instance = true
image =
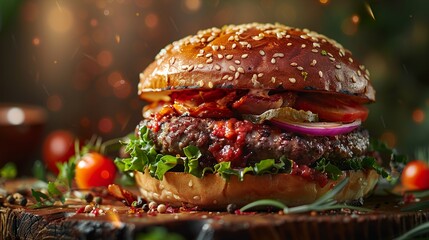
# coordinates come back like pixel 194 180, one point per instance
pixel 62 222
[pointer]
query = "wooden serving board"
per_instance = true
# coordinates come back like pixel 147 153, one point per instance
pixel 385 222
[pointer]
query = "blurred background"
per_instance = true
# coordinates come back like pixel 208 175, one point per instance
pixel 80 60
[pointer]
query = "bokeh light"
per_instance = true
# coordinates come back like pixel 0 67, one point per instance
pixel 60 19
pixel 36 41
pixel 105 125
pixel 193 5
pixel 15 116
pixel 54 103
pixel 105 58
pixel 151 20
pixel 389 138
pixel 418 116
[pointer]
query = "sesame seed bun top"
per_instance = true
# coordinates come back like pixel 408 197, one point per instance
pixel 256 56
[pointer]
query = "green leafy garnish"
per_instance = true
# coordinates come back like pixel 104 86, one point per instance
pixel 326 202
pixel 8 171
pixel 44 200
pixel 417 231
pixel 331 170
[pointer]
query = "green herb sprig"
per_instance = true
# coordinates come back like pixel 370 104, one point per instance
pixel 324 203
pixel 417 231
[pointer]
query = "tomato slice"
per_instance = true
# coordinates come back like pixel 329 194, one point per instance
pixel 332 108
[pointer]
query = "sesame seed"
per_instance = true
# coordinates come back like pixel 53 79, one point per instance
pixel 300 68
pixel 320 74
pixel 260 74
pixel 367 72
pixel 359 73
pixel 200 65
pixel 262 52
pixel 278 55
pixel 226 76
pixel 237 62
pixel 289 44
pixel 190 68
pixel 222 47
pixel 303 46
pixel 243 43
pixel 231 38
pixel 249 46
pixel 220 56
pixel 229 56
pixel 316 45
pixel 215 47
pixel 203 40
pixel 210 38
pixel 190 184
pixel 330 54
pixel 237 74
pixel 332 59
pixel 292 80
pixel 244 56
pixel 273 60
pixel 273 79
pixel 210 60
pixel 240 70
pixel 338 78
pixel 202 51
pixel 184 67
pixel 209 55
pixel 303 36
pixel 196 198
pixel 314 50
pixel 313 63
pixel 350 59
pixel 288 36
pixel 232 68
pixel 294 64
pixel 210 85
pixel 338 66
pixel 353 78
pixel 217 67
pixel 341 53
pixel 366 77
pixel 200 54
pixel 230 78
pixel 172 60
pixel 234 45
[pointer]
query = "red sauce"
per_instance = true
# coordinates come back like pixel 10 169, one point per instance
pixel 232 138
pixel 310 174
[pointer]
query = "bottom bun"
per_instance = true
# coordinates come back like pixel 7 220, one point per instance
pixel 214 192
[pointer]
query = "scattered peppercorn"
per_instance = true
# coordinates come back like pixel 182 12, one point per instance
pixel 89 197
pixel 23 202
pixel 98 200
pixel 145 207
pixel 231 208
pixel 10 199
pixel 161 208
pixel 153 205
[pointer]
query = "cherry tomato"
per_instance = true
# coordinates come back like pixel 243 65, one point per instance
pixel 58 147
pixel 415 175
pixel 332 109
pixel 94 170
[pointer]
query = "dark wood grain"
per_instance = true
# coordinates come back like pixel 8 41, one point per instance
pixel 62 222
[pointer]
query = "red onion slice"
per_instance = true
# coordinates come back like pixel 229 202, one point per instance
pixel 317 128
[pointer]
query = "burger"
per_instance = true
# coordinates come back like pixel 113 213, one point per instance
pixel 253 111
